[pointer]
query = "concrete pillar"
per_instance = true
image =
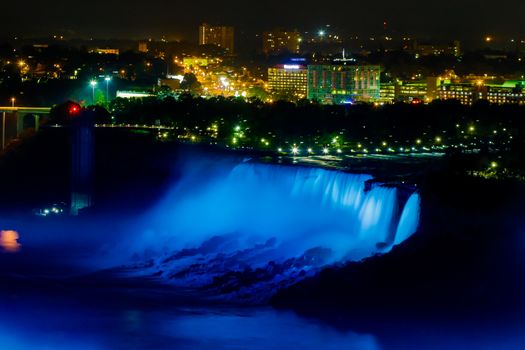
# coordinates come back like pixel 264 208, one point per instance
pixel 19 122
pixel 3 131
pixel 37 122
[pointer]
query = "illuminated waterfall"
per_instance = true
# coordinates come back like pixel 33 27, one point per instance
pixel 246 230
pixel 298 206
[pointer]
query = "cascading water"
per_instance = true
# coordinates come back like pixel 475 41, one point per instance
pixel 376 214
pixel 259 227
pixel 409 220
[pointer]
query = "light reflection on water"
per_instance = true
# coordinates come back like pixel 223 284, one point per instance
pixel 265 329
pixel 49 324
pixel 9 241
pixel 196 329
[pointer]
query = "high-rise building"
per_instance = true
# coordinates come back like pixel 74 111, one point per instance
pixel 279 41
pixel 288 81
pixel 221 36
pixel 339 84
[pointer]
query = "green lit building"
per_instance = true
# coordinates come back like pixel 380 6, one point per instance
pixel 411 91
pixel 387 92
pixel 509 92
pixel 339 84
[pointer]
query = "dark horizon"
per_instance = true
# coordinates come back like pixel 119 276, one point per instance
pixel 462 20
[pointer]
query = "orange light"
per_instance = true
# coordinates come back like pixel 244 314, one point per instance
pixel 9 241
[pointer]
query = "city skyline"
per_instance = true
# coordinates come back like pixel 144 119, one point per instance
pixel 463 20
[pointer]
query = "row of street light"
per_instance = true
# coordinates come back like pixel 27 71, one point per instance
pixel 93 83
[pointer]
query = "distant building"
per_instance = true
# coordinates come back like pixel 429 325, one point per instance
pixel 134 94
pixel 195 61
pixel 40 47
pixel 143 46
pixel 221 36
pixel 509 92
pixel 387 92
pixel 281 41
pixel 288 80
pixel 340 84
pixel 411 91
pixel 106 51
pixel 465 93
pixel 420 49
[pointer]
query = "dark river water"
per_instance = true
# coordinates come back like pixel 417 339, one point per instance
pixel 43 307
pixel 67 322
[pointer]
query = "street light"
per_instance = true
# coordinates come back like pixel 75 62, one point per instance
pixel 93 84
pixel 107 79
pixel 13 102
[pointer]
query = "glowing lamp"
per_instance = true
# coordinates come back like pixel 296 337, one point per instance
pixel 74 109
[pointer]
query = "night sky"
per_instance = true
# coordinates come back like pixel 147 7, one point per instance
pixel 462 19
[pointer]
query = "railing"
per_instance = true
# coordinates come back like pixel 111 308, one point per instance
pixel 45 110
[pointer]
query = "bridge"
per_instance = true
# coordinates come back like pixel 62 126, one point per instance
pixel 20 116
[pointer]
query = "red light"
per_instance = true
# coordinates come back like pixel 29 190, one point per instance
pixel 75 109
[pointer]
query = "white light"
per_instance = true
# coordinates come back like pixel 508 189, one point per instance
pixel 224 81
pixel 326 150
pixel 295 150
pixel 292 66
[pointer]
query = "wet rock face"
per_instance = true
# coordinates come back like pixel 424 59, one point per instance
pixel 219 270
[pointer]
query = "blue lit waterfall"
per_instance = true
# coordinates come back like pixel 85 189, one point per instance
pixel 250 215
